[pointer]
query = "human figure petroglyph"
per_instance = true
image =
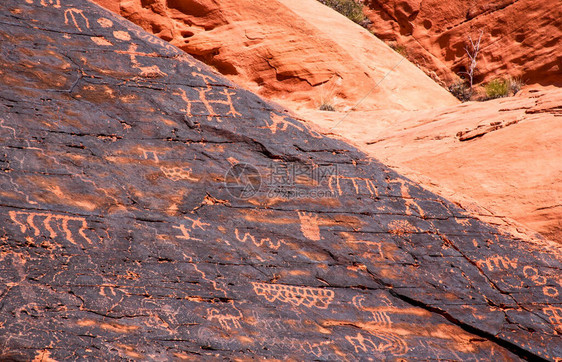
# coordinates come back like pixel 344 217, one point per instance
pixel 196 223
pixel 307 296
pixel 261 242
pixel 358 183
pixel 209 104
pixel 33 221
pixel 75 14
pixel 309 225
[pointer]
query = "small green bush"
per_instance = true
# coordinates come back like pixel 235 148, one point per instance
pixel 497 88
pixel 349 8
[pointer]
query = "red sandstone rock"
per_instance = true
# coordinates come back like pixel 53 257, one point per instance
pixel 521 38
pixel 298 52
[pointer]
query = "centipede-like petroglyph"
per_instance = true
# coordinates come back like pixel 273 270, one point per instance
pixel 296 296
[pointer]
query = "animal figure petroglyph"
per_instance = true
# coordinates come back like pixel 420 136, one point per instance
pixel 410 202
pixel 52 223
pixel 226 321
pixel 380 317
pixel 381 343
pixel 178 173
pixel 309 297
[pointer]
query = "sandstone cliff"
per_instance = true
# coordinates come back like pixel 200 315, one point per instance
pixel 521 38
pixel 297 52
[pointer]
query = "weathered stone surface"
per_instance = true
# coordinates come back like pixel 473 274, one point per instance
pixel 121 237
pixel 502 155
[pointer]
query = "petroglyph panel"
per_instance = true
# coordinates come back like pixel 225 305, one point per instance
pixel 109 131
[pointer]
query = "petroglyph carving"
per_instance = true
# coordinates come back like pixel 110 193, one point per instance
pixel 374 246
pixel 196 223
pixel 309 297
pixel 105 23
pixel 209 104
pixel 381 343
pixel 379 315
pixel 178 173
pixel 554 314
pixel 34 221
pixel 280 123
pixel 358 183
pixel 150 154
pixel 550 291
pixel 154 40
pixel 185 233
pixel 533 274
pixel 53 3
pixel 309 226
pixel 74 15
pixel 410 202
pixel 148 72
pixel 497 263
pixel 99 40
pixel 122 35
pixel 226 321
pixel 266 241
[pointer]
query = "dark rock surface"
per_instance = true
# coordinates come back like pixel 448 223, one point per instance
pixel 124 235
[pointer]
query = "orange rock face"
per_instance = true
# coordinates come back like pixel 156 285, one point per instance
pixel 502 154
pixel 519 38
pixel 299 53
